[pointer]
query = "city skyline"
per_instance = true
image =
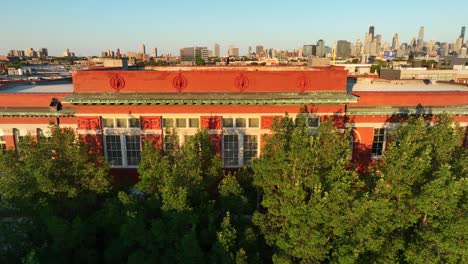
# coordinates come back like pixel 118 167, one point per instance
pixel 115 24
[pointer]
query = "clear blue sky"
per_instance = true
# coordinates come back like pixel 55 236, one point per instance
pixel 90 26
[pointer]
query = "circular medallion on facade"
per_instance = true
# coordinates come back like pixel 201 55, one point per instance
pixel 117 82
pixel 242 82
pixel 179 82
pixel 302 83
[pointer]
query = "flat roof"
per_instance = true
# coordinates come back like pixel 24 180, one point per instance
pixel 38 88
pixel 413 86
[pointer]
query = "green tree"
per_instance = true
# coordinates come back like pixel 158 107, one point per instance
pixel 51 187
pixel 419 201
pixel 311 203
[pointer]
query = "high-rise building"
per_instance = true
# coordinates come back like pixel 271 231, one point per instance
pixel 420 36
pixel 395 42
pixel 343 49
pixel 259 51
pixel 66 53
pixel 193 54
pixel 118 54
pixel 155 52
pixel 309 50
pixel 143 49
pixel 250 50
pixel 30 52
pixel 216 50
pixel 320 48
pixel 372 31
pixel 233 51
pixel 462 33
pixel 43 52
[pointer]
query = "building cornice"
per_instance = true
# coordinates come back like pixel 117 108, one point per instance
pixel 211 99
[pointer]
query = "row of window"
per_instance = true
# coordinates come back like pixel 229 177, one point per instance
pixel 313 121
pixel 125 150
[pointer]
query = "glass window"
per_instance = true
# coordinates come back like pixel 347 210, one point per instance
pixel 108 122
pixel 241 122
pixel 133 150
pixel 231 150
pixel 254 122
pixel 313 121
pixel 228 122
pixel 250 148
pixel 2 142
pixel 194 122
pixel 168 122
pixel 114 150
pixel 181 122
pixel 134 123
pixel 121 122
pixel 378 142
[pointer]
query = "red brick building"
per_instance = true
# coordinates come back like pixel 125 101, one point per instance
pixel 118 110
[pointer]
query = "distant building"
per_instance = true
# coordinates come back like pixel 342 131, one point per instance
pixel 143 49
pixel 462 33
pixel 309 50
pixel 420 36
pixel 395 42
pixel 233 51
pixel 191 54
pixel 43 52
pixel 343 49
pixel 259 51
pixel 30 52
pixel 216 50
pixel 371 31
pixel 320 50
pixel 155 52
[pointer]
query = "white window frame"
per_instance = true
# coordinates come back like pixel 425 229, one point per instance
pixel 241 132
pixel 2 141
pixel 122 133
pixel 179 132
pixel 384 141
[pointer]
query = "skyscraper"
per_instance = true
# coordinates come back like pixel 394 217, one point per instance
pixel 395 42
pixel 320 48
pixel 155 52
pixel 233 51
pixel 216 50
pixel 343 49
pixel 143 49
pixel 259 50
pixel 420 36
pixel 462 34
pixel 371 31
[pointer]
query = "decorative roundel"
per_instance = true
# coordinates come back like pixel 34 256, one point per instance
pixel 242 82
pixel 179 82
pixel 117 82
pixel 302 83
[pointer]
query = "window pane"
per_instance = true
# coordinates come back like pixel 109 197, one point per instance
pixel 134 122
pixel 194 122
pixel 108 122
pixel 181 122
pixel 250 148
pixel 2 147
pixel 254 122
pixel 228 122
pixel 313 121
pixel 379 140
pixel 168 122
pixel 114 150
pixel 121 122
pixel 240 122
pixel 133 150
pixel 231 150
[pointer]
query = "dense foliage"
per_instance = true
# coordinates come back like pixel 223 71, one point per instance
pixel 298 203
